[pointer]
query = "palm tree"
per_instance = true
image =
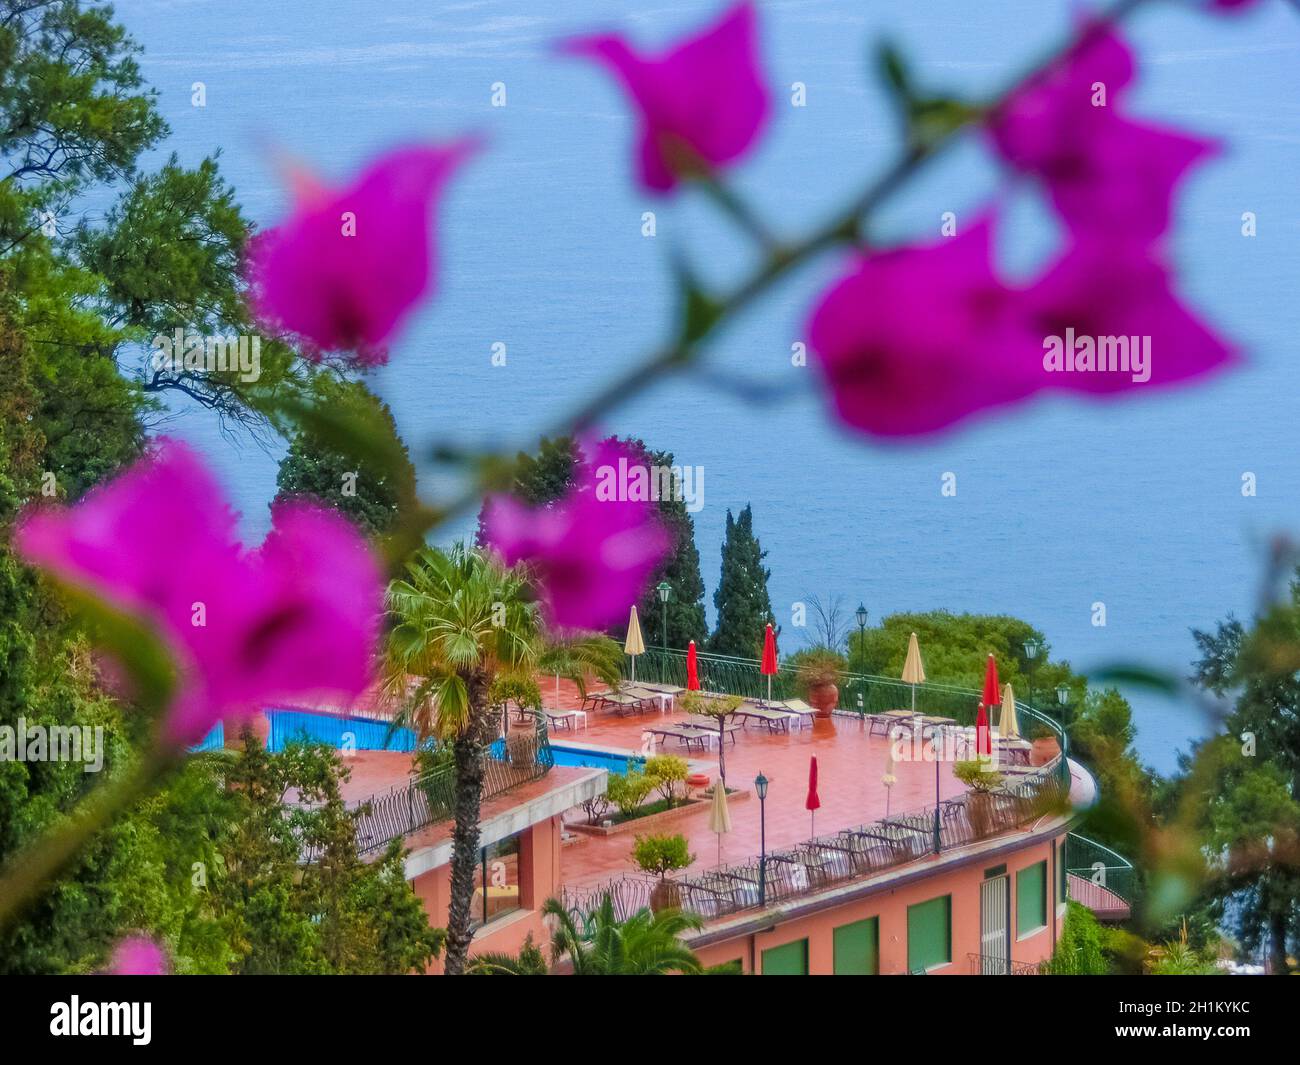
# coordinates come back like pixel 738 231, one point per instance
pixel 646 944
pixel 462 620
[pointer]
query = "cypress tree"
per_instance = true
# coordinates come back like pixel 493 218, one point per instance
pixel 742 601
pixel 680 568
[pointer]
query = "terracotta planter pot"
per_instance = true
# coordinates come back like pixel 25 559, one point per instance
pixel 823 698
pixel 979 810
pixel 667 895
pixel 1044 749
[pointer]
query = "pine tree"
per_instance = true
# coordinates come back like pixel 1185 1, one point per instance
pixel 742 602
pixel 311 469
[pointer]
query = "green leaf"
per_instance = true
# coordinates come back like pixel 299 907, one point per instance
pixel 1139 676
pixel 894 69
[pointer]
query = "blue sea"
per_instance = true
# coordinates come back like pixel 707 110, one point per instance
pixel 1136 504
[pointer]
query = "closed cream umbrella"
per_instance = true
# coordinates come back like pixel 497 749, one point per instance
pixel 719 815
pixel 634 644
pixel 1008 726
pixel 913 670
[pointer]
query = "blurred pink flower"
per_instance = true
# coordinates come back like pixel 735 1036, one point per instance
pixel 1104 173
pixel 593 551
pixel 1231 5
pixel 918 338
pixel 703 103
pixel 345 270
pixel 1119 289
pixel 138 956
pixel 297 617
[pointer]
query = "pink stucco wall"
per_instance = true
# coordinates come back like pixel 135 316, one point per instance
pixel 539 878
pixel 890 906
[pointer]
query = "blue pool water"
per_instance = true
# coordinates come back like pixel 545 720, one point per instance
pixel 615 763
pixel 364 734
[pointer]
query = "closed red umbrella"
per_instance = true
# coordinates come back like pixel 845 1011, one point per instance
pixel 768 667
pixel 813 803
pixel 983 745
pixel 992 689
pixel 692 669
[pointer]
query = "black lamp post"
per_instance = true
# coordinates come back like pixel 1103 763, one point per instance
pixel 937 737
pixel 861 613
pixel 1063 697
pixel 760 786
pixel 665 591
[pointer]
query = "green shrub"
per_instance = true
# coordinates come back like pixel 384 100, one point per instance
pixel 976 775
pixel 628 790
pixel 666 772
pixel 660 855
pixel 1079 950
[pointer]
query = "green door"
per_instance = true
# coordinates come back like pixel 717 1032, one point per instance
pixel 929 934
pixel 789 959
pixel 857 948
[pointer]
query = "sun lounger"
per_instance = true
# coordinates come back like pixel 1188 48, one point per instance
pixel 775 720
pixel 646 692
pixel 687 737
pixel 622 702
pixel 798 707
pixel 710 725
pixel 661 689
pixel 558 719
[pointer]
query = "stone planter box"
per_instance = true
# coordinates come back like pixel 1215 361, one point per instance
pixel 642 825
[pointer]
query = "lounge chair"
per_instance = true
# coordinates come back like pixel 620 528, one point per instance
pixel 622 702
pixel 801 709
pixel 646 692
pixel 775 720
pixel 558 719
pixel 710 725
pixel 685 736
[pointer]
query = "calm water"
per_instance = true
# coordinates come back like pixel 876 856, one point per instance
pixel 1063 504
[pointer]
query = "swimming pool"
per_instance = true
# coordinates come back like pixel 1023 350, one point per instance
pixel 366 734
pixel 576 756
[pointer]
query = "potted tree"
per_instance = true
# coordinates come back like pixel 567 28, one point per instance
pixel 981 782
pixel 818 670
pixel 661 855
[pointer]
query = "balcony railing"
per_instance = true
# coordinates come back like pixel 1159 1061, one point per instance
pixel 831 860
pixel 988 965
pixel 521 757
pixel 1100 878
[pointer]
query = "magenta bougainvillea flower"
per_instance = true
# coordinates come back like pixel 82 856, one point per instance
pixel 594 550
pixel 138 956
pixel 1231 5
pixel 915 339
pixel 345 270
pixel 1119 323
pixel 1103 172
pixel 702 103
pixel 298 617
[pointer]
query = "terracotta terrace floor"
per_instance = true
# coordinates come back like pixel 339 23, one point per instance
pixel 850 766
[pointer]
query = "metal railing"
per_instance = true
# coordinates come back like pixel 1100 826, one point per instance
pixel 860 693
pixel 989 965
pixel 827 861
pixel 1099 878
pixel 429 799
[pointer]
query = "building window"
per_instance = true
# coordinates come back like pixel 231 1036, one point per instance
pixel 789 959
pixel 1031 899
pixel 857 948
pixel 929 934
pixel 496 881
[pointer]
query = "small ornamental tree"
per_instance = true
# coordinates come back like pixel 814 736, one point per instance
pixel 666 772
pixel 628 790
pixel 718 708
pixel 661 855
